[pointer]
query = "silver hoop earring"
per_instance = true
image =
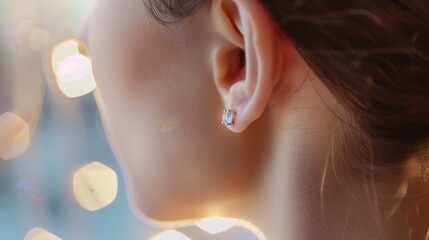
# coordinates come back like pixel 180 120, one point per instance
pixel 228 117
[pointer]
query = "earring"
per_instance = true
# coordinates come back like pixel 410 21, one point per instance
pixel 228 117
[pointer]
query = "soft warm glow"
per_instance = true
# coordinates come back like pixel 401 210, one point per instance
pixel 40 234
pixel 169 126
pixel 73 69
pixel 95 186
pixel 216 225
pixel 14 136
pixel 170 235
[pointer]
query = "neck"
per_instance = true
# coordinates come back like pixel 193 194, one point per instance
pixel 288 190
pixel 306 192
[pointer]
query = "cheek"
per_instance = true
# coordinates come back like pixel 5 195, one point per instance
pixel 162 114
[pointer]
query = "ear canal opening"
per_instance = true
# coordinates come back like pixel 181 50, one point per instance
pixel 242 58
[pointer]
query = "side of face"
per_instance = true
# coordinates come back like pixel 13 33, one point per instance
pixel 162 109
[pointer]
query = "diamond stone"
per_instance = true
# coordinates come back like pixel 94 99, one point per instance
pixel 228 117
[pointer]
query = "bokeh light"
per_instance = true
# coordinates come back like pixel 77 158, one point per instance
pixel 95 186
pixel 252 228
pixel 73 69
pixel 215 225
pixel 40 234
pixel 170 235
pixel 14 136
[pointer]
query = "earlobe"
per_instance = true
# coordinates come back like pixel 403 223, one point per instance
pixel 245 58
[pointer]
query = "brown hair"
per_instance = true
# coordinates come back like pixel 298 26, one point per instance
pixel 372 54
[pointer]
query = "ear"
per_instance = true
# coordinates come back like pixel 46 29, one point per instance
pixel 245 59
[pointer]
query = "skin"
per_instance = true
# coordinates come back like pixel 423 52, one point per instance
pixel 161 92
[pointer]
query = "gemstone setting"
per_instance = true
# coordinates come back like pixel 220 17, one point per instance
pixel 228 117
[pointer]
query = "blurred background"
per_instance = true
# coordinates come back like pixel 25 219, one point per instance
pixel 47 137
